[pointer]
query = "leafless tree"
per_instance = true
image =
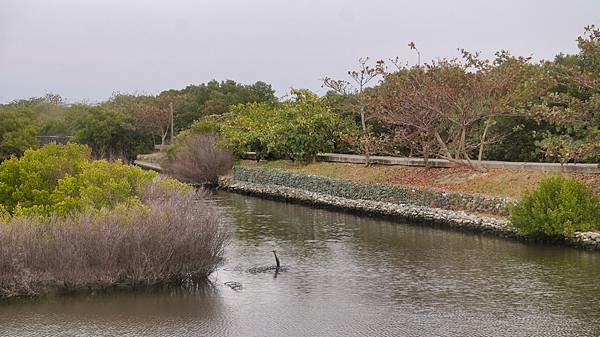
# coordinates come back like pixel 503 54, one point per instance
pixel 354 91
pixel 155 114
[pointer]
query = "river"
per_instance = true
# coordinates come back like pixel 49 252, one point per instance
pixel 346 276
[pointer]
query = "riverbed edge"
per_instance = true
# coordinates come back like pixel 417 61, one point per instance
pixel 414 214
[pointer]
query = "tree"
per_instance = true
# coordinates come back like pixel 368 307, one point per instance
pixel 110 133
pixel 156 114
pixel 356 102
pixel 18 130
pixel 406 101
pixel 448 108
pixel 297 129
pixel 215 98
pixel 571 103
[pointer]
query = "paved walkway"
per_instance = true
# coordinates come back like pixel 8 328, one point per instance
pixel 385 160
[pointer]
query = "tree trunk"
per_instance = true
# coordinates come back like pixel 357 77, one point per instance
pixel 443 145
pixel 367 155
pixel 163 137
pixel 482 142
pixel 365 140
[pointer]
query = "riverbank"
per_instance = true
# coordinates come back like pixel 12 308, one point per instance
pixel 495 182
pixel 369 192
pixel 392 201
pixel 505 181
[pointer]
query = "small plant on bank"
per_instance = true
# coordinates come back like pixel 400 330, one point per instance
pixel 198 159
pixel 558 207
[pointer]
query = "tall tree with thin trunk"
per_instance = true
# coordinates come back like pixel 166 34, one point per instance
pixel 155 114
pixel 354 91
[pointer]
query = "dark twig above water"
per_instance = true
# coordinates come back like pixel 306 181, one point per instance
pixel 263 269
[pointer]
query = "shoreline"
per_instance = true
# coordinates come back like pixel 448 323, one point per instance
pixel 280 189
pixel 402 212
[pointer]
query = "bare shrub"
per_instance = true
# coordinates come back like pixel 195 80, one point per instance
pixel 198 159
pixel 176 236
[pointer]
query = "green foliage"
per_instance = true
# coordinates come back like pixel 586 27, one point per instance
pixel 109 132
pixel 522 142
pixel 297 129
pixel 559 206
pixel 28 181
pixel 571 102
pixel 215 98
pixel 17 130
pixel 62 179
pixel 99 184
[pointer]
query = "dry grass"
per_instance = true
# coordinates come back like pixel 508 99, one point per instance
pixel 198 160
pixel 176 238
pixel 495 182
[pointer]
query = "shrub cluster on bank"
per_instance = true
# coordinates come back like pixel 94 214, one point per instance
pixel 558 207
pixel 71 223
pixel 197 159
pixel 64 179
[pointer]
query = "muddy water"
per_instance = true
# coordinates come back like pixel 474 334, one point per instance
pixel 346 276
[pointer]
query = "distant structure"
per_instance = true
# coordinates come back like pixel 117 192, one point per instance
pixel 43 140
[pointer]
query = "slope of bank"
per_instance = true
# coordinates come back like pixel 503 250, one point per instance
pixel 425 206
pixel 365 194
pixel 494 182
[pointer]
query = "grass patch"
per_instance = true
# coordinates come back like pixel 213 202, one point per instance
pixel 493 182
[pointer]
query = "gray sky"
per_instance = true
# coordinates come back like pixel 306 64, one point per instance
pixel 86 49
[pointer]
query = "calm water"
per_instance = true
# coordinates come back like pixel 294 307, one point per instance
pixel 347 276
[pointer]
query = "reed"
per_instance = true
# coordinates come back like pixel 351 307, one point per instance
pixel 173 236
pixel 198 159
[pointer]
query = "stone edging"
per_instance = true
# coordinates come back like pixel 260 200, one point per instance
pixel 403 212
pixel 397 194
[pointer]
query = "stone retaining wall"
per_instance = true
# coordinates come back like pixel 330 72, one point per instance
pixel 403 212
pixel 376 192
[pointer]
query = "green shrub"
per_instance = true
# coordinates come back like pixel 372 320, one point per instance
pixel 558 207
pixel 99 185
pixel 297 129
pixel 63 179
pixel 17 130
pixel 28 181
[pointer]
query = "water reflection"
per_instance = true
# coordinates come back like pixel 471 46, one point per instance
pixel 346 275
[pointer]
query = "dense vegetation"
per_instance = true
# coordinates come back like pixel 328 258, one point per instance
pixel 63 179
pixel 68 222
pixel 123 126
pixel 463 110
pixel 559 206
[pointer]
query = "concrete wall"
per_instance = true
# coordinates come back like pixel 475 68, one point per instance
pixel 385 160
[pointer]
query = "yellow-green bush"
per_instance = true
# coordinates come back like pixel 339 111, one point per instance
pixel 63 179
pixel 559 206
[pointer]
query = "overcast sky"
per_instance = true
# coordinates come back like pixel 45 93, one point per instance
pixel 86 49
